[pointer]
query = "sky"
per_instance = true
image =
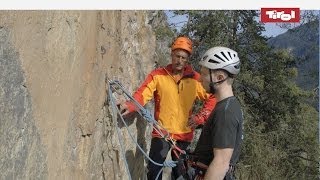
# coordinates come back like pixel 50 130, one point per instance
pixel 271 28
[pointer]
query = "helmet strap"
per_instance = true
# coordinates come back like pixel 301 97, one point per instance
pixel 211 85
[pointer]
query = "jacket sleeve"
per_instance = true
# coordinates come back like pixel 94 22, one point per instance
pixel 206 110
pixel 144 93
pixel 208 105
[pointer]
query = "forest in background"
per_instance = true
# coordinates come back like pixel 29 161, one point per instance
pixel 281 116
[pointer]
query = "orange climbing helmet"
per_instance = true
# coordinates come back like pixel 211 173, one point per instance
pixel 182 42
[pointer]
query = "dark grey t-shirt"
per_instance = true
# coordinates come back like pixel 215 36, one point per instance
pixel 222 130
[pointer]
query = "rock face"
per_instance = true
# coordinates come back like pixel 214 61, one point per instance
pixel 55 122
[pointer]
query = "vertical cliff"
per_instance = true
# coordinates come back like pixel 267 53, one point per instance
pixel 53 64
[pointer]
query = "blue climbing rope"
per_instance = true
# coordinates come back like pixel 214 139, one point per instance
pixel 115 122
pixel 145 113
pixel 147 116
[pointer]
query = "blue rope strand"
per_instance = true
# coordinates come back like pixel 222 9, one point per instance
pixel 142 111
pixel 168 164
pixel 119 135
pixel 147 116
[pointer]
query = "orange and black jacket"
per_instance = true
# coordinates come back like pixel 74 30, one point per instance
pixel 174 100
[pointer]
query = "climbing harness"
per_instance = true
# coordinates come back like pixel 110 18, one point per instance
pixel 195 170
pixel 114 86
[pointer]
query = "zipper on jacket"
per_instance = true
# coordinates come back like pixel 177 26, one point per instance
pixel 183 76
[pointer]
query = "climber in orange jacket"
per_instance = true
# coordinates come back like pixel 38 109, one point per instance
pixel 174 89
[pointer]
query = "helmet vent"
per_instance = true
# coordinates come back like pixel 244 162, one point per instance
pixel 224 56
pixel 219 58
pixel 230 55
pixel 213 61
pixel 205 57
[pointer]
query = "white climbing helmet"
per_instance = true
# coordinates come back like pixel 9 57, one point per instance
pixel 221 58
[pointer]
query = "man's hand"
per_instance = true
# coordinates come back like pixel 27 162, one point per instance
pixel 123 108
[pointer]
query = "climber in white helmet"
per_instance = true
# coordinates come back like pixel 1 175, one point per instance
pixel 218 147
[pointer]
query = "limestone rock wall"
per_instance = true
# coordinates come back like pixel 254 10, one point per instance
pixel 53 67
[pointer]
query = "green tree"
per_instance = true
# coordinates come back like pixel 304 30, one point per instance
pixel 280 129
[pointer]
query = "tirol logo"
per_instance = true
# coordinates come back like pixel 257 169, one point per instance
pixel 280 15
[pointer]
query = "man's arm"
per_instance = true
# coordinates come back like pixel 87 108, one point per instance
pixel 208 106
pixel 143 94
pixel 204 112
pixel 220 164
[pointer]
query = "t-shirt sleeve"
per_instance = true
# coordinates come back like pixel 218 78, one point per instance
pixel 224 132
